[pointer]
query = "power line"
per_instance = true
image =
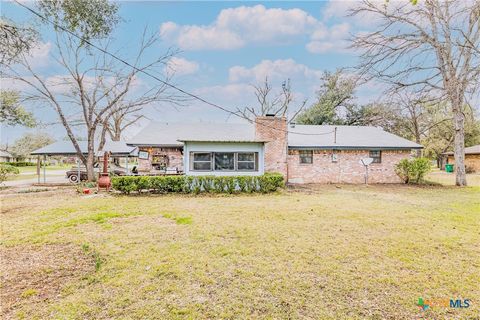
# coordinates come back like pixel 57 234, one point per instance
pixel 192 95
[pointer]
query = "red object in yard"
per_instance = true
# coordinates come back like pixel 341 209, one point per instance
pixel 104 179
pixel 86 191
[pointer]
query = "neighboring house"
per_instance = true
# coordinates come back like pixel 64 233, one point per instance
pixel 302 153
pixel 6 156
pixel 472 158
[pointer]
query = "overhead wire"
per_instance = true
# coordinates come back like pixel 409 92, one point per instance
pixel 183 91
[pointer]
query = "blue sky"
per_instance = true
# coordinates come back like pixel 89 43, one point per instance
pixel 225 47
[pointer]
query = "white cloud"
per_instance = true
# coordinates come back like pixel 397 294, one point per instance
pixel 39 55
pixel 236 27
pixel 276 70
pixel 330 39
pixel 181 66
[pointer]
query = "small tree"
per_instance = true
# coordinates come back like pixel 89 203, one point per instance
pixel 413 170
pixel 30 142
pixel 7 171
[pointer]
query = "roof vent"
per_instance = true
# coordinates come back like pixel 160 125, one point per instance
pixel 292 124
pixel 271 115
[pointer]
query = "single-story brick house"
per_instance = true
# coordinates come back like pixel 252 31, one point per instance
pixel 302 153
pixel 472 158
pixel 6 156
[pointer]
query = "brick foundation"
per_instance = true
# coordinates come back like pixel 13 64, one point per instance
pixel 347 168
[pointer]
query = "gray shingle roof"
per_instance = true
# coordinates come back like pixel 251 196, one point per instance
pixel 5 154
pixel 347 137
pixel 171 134
pixel 66 148
pixel 469 150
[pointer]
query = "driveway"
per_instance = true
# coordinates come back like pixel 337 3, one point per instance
pixel 53 176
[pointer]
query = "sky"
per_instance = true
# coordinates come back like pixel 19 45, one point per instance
pixel 224 48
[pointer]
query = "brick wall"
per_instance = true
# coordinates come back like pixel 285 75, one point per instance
pixel 472 161
pixel 273 130
pixel 347 168
pixel 174 156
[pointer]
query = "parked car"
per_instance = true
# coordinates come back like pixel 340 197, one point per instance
pixel 72 174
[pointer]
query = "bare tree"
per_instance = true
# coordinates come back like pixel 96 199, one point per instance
pixel 270 102
pixel 95 86
pixel 121 118
pixel 419 114
pixel 430 48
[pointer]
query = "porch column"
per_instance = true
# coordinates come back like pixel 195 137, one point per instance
pixel 44 168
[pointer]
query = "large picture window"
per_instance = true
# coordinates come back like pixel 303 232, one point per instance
pixel 376 155
pixel 224 161
pixel 202 161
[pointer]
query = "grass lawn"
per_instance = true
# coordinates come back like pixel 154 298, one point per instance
pixel 348 252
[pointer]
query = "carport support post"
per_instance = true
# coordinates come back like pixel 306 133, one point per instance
pixel 38 169
pixel 78 168
pixel 44 168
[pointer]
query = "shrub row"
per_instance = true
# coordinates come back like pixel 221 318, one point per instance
pixel 268 182
pixel 19 163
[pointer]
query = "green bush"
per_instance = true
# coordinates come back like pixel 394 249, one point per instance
pixel 19 164
pixel 269 182
pixel 413 170
pixel 6 171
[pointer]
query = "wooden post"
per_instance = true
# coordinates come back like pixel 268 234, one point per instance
pixel 38 169
pixel 44 168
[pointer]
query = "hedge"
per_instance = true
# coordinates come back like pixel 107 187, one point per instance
pixel 268 182
pixel 19 163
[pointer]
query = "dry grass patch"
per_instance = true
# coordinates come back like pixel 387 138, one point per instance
pixel 35 275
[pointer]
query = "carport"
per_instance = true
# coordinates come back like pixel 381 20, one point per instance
pixel 117 149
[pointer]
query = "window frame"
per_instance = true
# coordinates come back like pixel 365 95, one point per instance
pixel 376 158
pixel 255 163
pixel 193 161
pixel 212 161
pixel 301 156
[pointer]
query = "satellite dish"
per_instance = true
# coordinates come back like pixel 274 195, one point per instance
pixel 366 161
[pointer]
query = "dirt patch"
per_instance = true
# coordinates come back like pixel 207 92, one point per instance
pixel 31 274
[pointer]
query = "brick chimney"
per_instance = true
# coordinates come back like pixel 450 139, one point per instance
pixel 273 130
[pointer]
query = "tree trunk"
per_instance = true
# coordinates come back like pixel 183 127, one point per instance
pixel 459 147
pixel 90 157
pixel 103 137
pixel 418 151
